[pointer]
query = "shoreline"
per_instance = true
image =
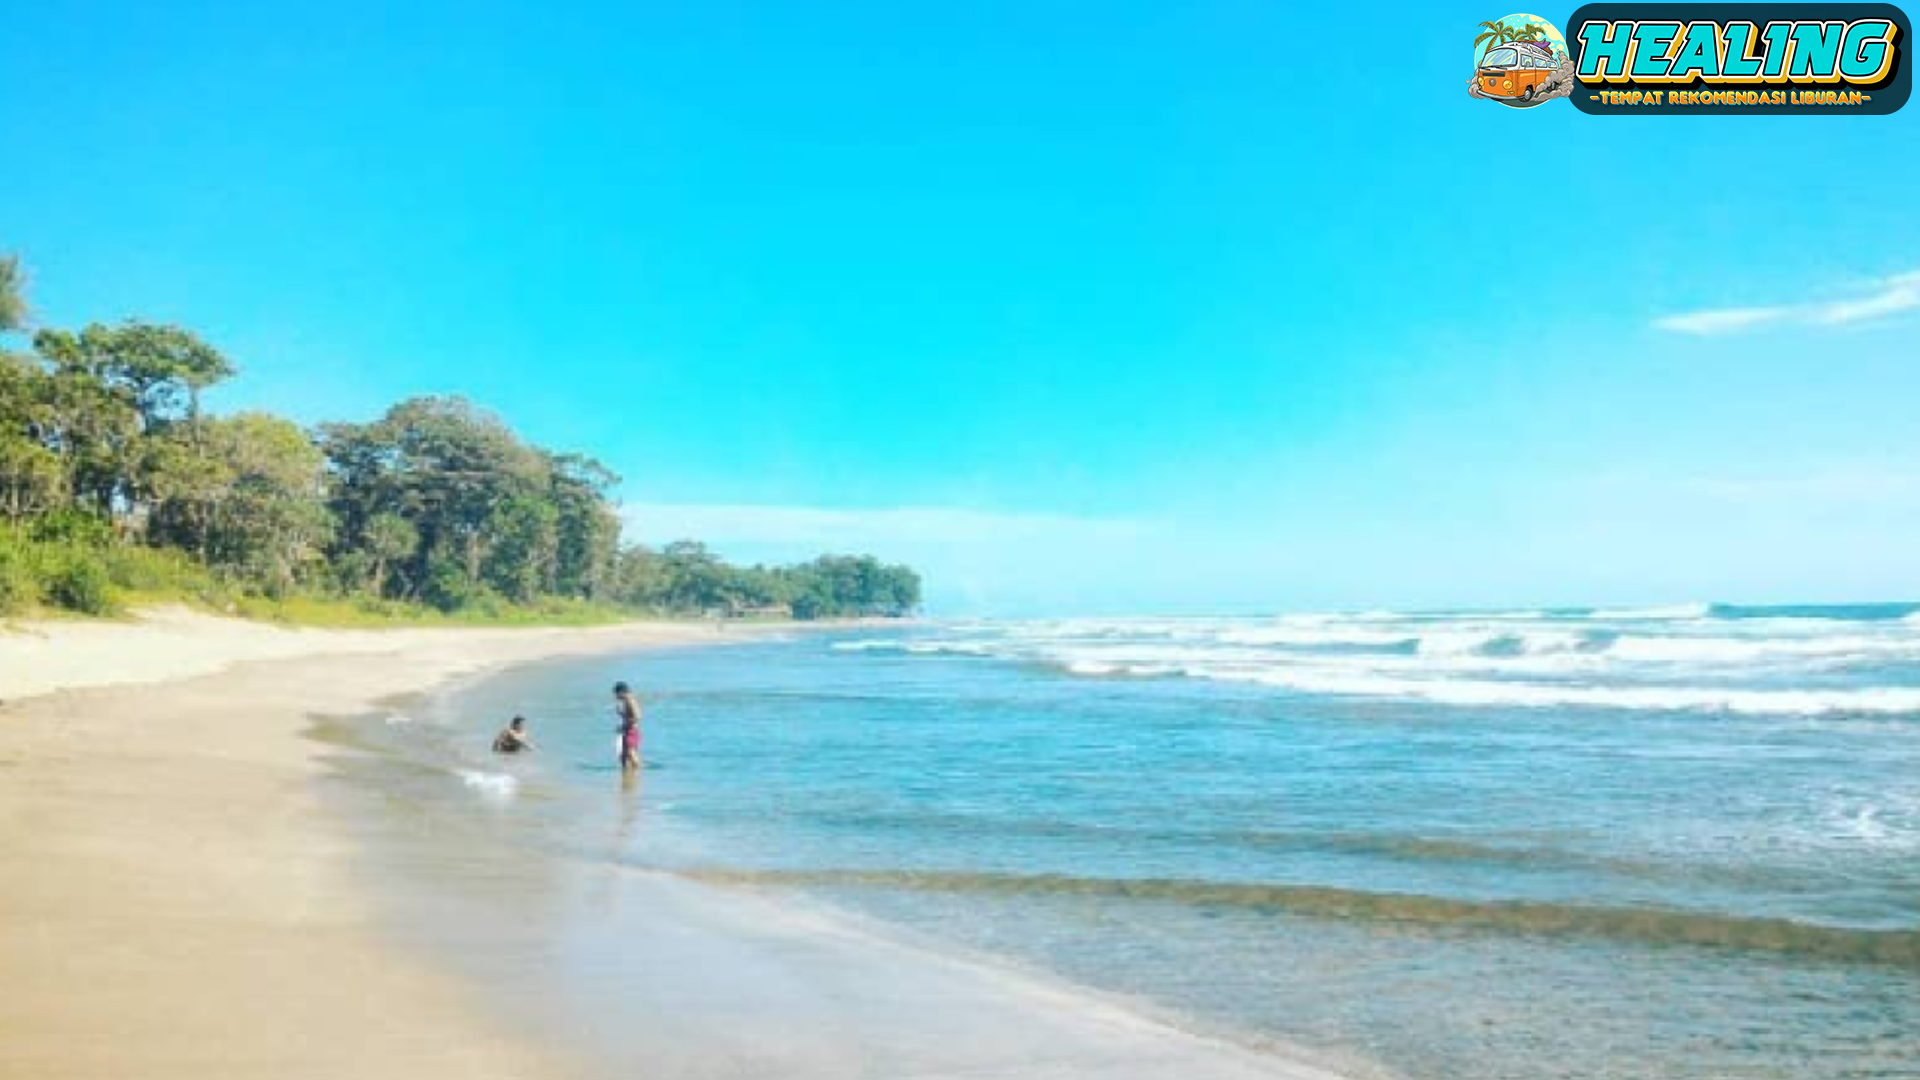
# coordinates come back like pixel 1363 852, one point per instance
pixel 184 900
pixel 177 900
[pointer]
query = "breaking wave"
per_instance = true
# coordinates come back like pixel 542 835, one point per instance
pixel 1671 612
pixel 1541 695
pixel 913 648
pixel 1862 659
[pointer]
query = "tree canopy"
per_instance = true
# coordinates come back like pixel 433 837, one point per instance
pixel 436 502
pixel 13 304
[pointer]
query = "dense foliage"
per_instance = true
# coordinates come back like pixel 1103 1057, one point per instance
pixel 685 576
pixel 112 478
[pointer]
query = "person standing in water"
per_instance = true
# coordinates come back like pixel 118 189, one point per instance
pixel 626 708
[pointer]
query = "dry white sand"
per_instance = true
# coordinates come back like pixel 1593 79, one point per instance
pixel 165 644
pixel 176 901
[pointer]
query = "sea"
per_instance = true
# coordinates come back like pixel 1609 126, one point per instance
pixel 1670 842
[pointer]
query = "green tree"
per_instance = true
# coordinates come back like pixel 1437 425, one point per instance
pixel 588 530
pixel 523 540
pixel 839 586
pixel 245 494
pixel 389 539
pixel 33 479
pixel 100 397
pixel 444 466
pixel 692 577
pixel 92 429
pixel 161 370
pixel 13 300
pixel 639 579
pixel 103 443
pixel 900 593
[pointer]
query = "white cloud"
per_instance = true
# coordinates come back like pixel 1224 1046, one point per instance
pixel 1888 296
pixel 863 529
pixel 1722 321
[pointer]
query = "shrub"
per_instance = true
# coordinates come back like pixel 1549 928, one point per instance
pixel 68 527
pixel 373 605
pixel 160 572
pixel 19 588
pixel 448 587
pixel 79 582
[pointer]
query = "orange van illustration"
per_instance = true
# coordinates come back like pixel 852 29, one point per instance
pixel 1520 61
pixel 1519 69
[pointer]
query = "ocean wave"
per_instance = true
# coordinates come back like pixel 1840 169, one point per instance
pixel 1100 668
pixel 1498 693
pixel 914 648
pixel 1384 615
pixel 1670 612
pixel 1745 665
pixel 1724 650
pixel 1499 650
pixel 1502 643
pixel 1816 614
pixel 1656 926
pixel 1313 638
pixel 1460 639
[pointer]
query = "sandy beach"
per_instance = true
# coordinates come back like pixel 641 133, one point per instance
pixel 180 900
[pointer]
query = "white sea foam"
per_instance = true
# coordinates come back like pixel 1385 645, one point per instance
pixel 1884 821
pixel 950 648
pixel 915 648
pixel 868 646
pixel 1647 658
pixel 1721 650
pixel 1505 642
pixel 398 719
pixel 1317 635
pixel 491 785
pixel 1493 693
pixel 1137 669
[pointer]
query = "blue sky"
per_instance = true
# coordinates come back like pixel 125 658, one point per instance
pixel 1080 307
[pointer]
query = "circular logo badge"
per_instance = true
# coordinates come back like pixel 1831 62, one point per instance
pixel 1520 61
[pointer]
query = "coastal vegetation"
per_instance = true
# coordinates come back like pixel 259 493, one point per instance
pixel 116 487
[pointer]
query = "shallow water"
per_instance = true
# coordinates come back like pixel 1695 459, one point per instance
pixel 1664 843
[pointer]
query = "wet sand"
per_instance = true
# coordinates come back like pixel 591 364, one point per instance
pixel 181 896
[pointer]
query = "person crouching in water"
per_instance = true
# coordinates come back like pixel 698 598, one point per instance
pixel 513 738
pixel 627 708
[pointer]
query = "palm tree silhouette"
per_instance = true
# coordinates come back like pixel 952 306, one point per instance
pixel 1499 33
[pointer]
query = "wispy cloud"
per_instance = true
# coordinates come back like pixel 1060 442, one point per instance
pixel 864 529
pixel 1886 297
pixel 1884 485
pixel 1813 488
